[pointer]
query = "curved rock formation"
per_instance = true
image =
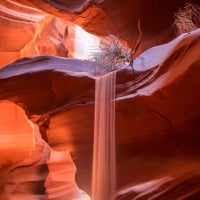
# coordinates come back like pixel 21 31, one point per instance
pixel 73 6
pixel 60 182
pixel 25 175
pixel 156 115
pixel 23 155
pixel 92 18
pixel 41 33
pixel 14 125
pixel 163 144
pixel 120 17
pixel 35 33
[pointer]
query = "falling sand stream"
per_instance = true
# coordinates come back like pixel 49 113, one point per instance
pixel 104 162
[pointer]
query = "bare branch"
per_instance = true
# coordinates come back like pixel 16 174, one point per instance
pixel 138 42
pixel 115 54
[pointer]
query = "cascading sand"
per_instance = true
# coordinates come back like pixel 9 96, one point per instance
pixel 104 158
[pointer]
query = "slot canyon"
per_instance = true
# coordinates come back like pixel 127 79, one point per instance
pixel 57 128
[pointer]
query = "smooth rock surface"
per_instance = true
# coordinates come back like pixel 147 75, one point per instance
pixel 35 172
pixel 157 116
pixel 27 31
pixel 157 104
pixel 120 17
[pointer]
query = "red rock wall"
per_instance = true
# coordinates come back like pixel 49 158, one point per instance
pixel 157 115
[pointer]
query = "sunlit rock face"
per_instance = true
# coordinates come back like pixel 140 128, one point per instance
pixel 60 182
pixel 157 115
pixel 14 125
pixel 157 120
pixel 17 27
pixel 27 31
pixel 29 168
pixel 120 17
pixel 23 155
pixel 41 28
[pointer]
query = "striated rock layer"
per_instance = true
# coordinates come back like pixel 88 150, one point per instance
pixel 41 27
pixel 162 147
pixel 119 17
pixel 23 155
pixel 157 115
pixel 29 168
pixel 14 125
pixel 60 182
pixel 27 31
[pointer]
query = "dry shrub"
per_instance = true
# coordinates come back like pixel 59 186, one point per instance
pixel 187 18
pixel 112 54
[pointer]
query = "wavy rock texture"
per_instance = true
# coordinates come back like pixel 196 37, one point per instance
pixel 40 32
pixel 14 125
pixel 35 33
pixel 60 182
pixel 92 18
pixel 35 172
pixel 119 17
pixel 23 155
pixel 18 19
pixel 73 5
pixel 163 144
pixel 42 29
pixel 157 120
pixel 157 115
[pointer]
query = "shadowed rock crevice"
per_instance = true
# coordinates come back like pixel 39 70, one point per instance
pixel 157 115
